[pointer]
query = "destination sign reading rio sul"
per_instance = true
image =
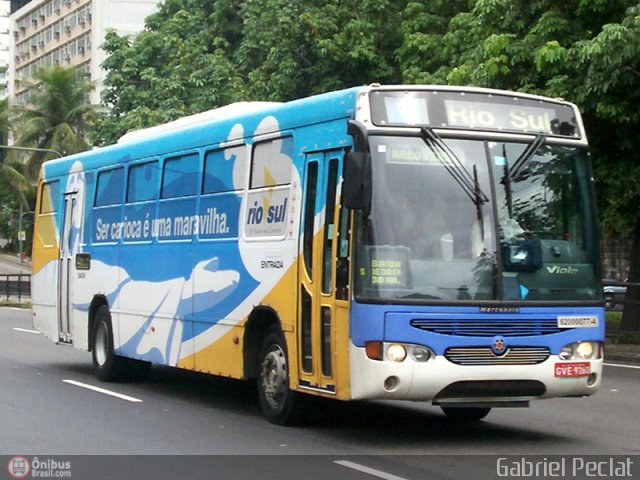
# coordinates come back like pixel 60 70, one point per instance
pixel 474 110
pixel 499 117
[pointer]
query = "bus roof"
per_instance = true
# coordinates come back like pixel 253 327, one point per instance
pixel 196 131
pixel 232 110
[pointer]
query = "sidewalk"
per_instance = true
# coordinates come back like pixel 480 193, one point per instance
pixel 13 258
pixel 10 264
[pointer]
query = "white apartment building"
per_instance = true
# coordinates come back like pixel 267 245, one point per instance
pixel 69 33
pixel 4 46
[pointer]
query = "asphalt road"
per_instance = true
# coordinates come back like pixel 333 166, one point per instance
pixel 46 408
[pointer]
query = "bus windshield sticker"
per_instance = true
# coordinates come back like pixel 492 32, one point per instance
pixel 389 267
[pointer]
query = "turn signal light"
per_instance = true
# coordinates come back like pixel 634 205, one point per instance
pixel 373 350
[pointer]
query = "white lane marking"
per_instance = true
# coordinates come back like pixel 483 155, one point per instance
pixel 102 390
pixel 621 365
pixel 26 331
pixel 368 470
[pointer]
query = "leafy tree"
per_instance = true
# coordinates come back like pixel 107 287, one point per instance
pixel 15 191
pixel 57 118
pixel 313 47
pixel 16 196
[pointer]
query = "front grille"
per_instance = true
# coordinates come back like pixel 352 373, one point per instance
pixel 485 356
pixel 507 327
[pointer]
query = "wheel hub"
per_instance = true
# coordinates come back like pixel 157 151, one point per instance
pixel 274 377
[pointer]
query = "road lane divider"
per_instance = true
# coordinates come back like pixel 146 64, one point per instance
pixel 621 365
pixel 26 330
pixel 367 470
pixel 104 391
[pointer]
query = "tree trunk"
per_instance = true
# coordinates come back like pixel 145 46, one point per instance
pixel 631 315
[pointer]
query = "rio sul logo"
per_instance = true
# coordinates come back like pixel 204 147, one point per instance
pixel 19 467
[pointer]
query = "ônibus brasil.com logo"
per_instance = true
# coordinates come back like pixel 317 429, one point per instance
pixel 19 467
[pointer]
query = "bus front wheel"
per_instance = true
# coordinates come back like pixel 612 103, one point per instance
pixel 466 414
pixel 280 405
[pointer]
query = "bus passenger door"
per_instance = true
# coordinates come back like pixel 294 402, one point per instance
pixel 68 241
pixel 318 311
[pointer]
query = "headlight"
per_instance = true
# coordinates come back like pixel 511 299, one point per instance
pixel 396 352
pixel 421 354
pixel 585 350
pixel 581 351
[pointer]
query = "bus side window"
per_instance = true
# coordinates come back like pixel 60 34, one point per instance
pixel 224 169
pixel 180 176
pixel 329 233
pixel 109 188
pixel 342 258
pixel 142 184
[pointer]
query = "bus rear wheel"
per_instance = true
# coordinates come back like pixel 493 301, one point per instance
pixel 107 366
pixel 466 414
pixel 280 405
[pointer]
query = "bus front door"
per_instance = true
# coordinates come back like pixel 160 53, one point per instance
pixel 319 311
pixel 65 267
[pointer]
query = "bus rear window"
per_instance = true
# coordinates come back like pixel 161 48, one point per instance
pixel 49 198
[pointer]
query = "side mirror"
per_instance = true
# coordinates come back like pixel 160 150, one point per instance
pixel 356 186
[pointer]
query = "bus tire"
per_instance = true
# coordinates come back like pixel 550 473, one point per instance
pixel 466 414
pixel 107 366
pixel 280 405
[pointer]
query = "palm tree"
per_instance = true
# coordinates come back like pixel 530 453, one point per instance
pixel 11 177
pixel 57 118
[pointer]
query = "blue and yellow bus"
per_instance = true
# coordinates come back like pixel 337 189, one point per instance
pixel 407 242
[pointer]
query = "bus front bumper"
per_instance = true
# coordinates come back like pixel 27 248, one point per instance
pixel 446 383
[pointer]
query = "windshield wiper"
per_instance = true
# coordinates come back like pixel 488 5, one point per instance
pixel 452 164
pixel 525 156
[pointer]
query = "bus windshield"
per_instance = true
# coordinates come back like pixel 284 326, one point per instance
pixel 475 220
